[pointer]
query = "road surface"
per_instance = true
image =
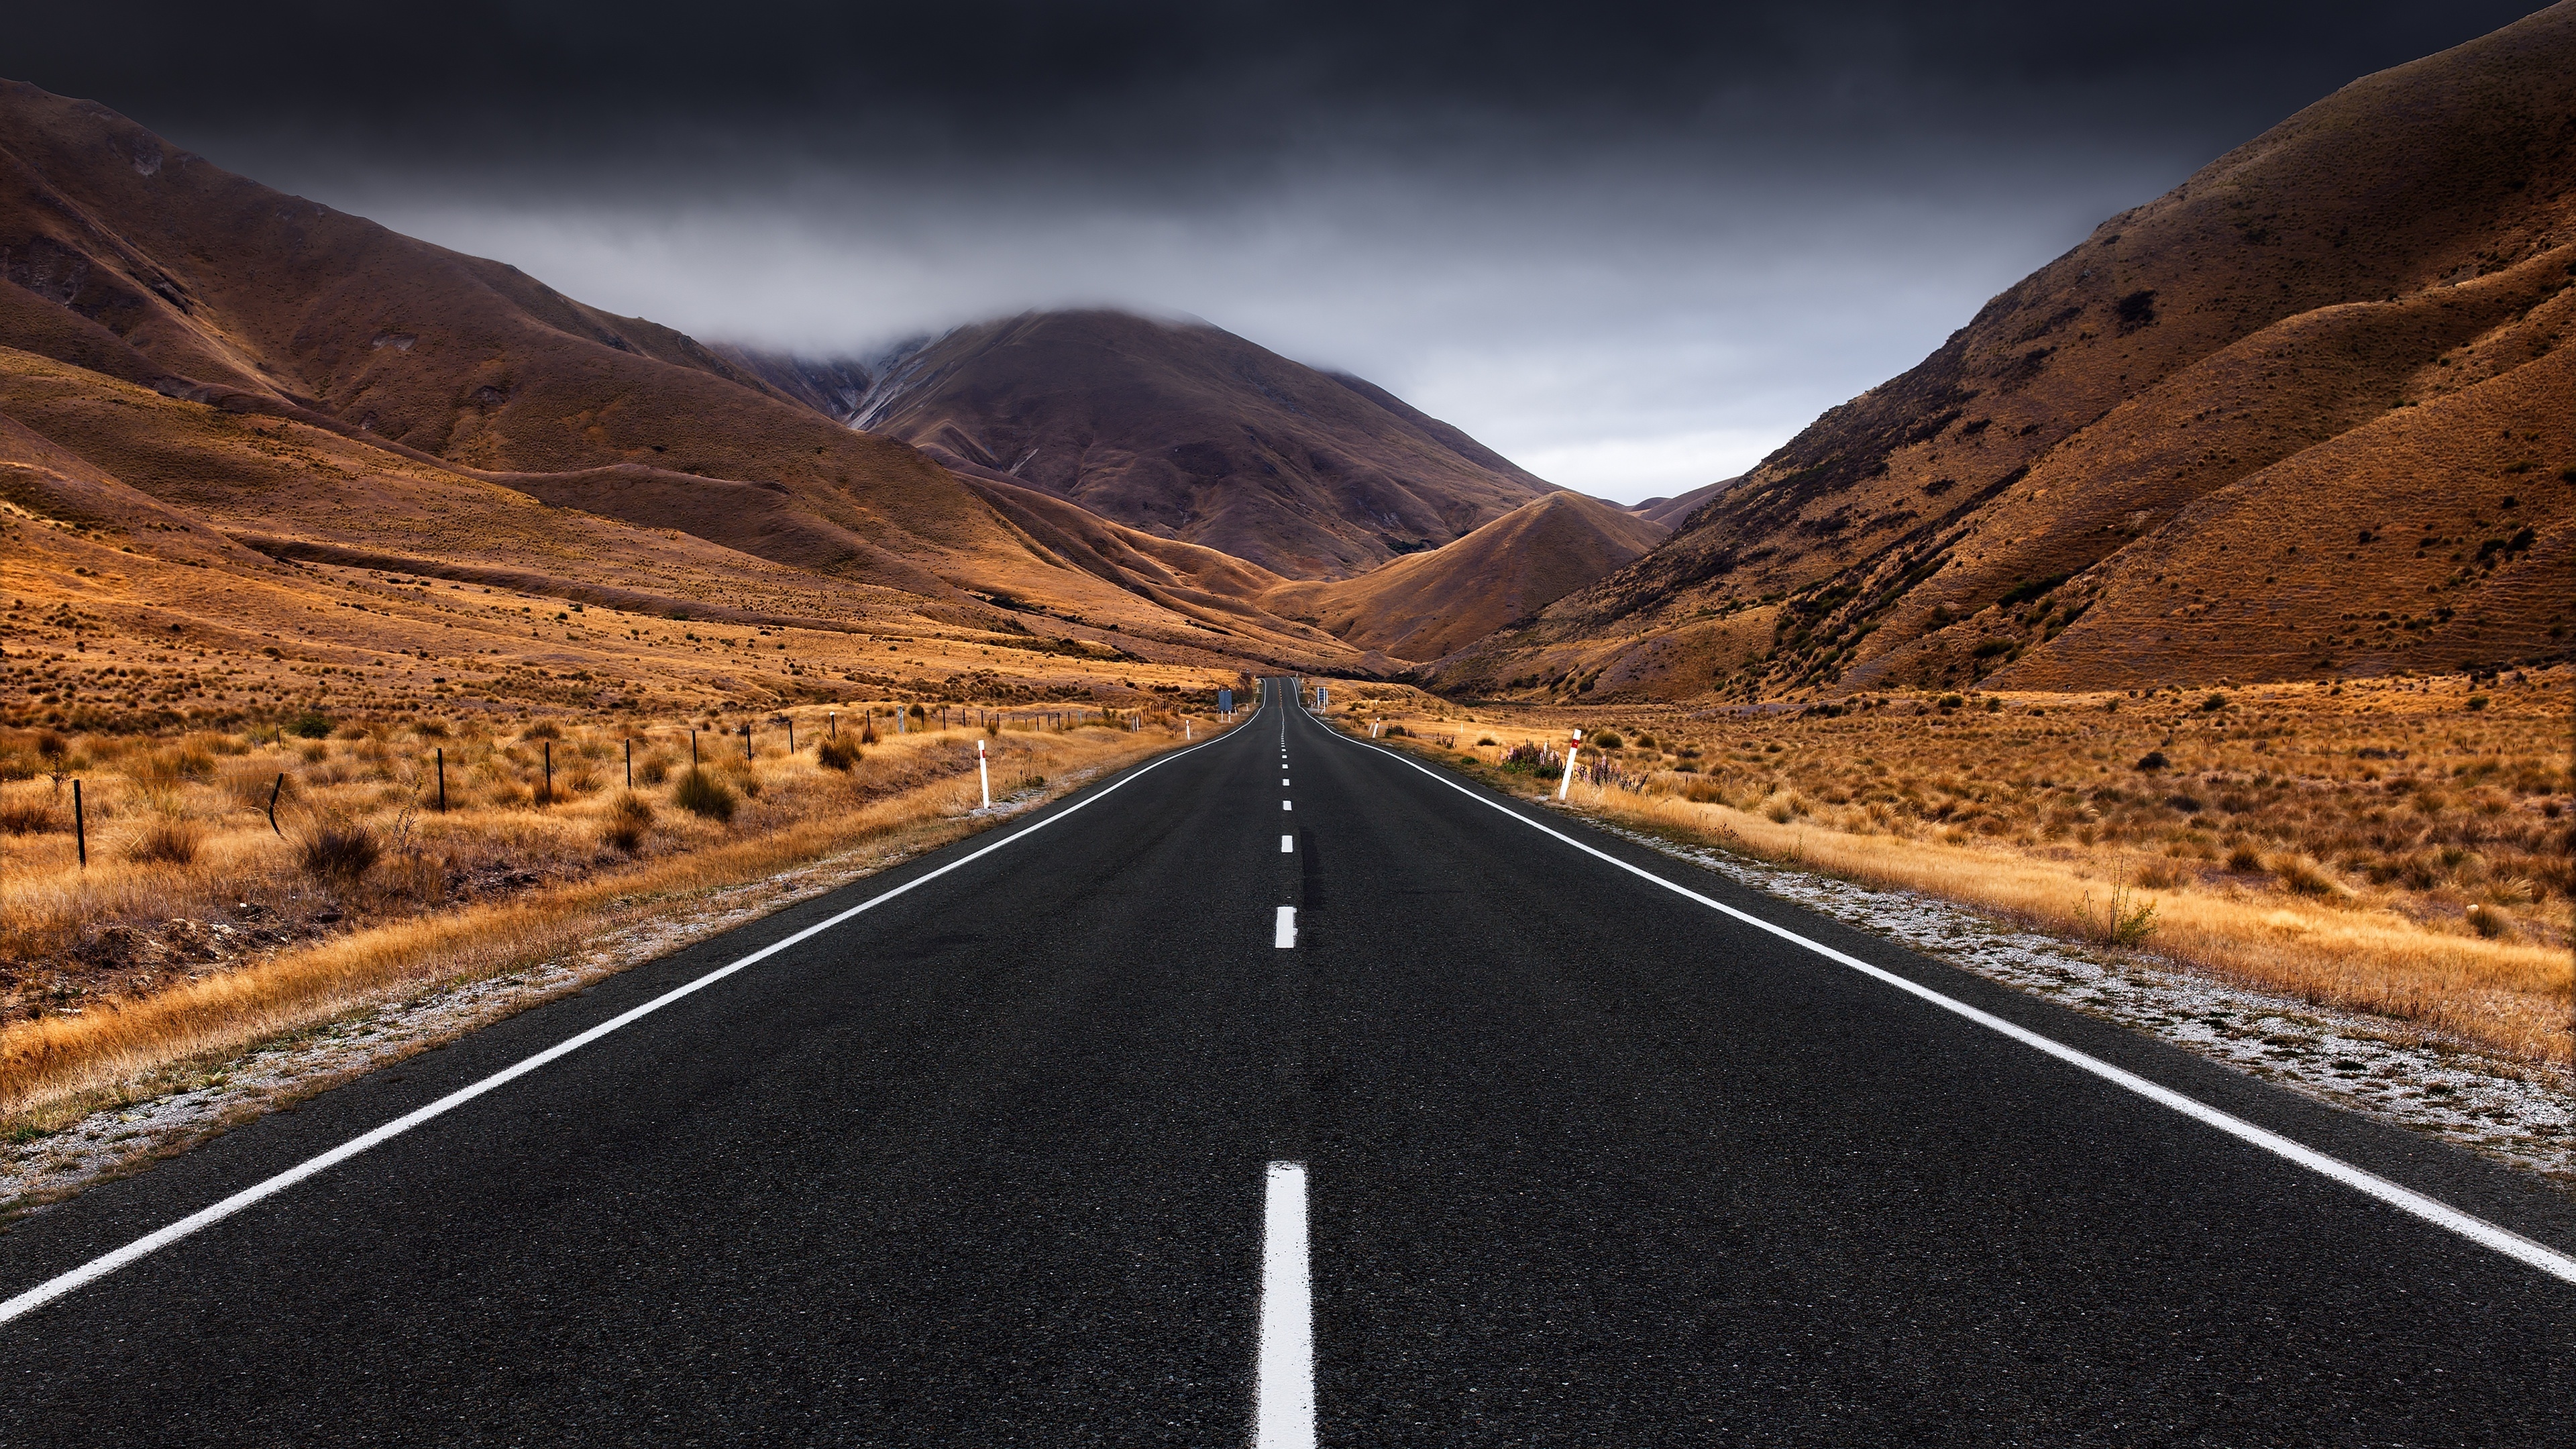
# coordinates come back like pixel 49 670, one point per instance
pixel 1284 1087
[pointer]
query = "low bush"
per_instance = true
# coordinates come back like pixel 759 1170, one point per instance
pixel 705 796
pixel 310 726
pixel 833 755
pixel 1608 740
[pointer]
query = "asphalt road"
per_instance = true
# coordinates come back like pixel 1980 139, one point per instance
pixel 1585 1162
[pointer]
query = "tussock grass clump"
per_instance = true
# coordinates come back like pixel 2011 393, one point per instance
pixel 833 755
pixel 705 796
pixel 628 818
pixel 340 851
pixel 166 840
pixel 30 817
pixel 2301 876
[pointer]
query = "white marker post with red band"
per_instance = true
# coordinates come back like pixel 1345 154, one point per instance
pixel 1571 750
pixel 984 773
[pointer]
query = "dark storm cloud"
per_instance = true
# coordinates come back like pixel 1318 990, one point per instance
pixel 1633 247
pixel 1143 86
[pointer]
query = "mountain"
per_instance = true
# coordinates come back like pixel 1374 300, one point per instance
pixel 1189 432
pixel 832 386
pixel 1425 605
pixel 2308 413
pixel 140 267
pixel 1671 511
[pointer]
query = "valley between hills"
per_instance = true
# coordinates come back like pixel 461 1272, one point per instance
pixel 2207 593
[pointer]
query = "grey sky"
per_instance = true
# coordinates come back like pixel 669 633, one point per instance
pixel 1634 250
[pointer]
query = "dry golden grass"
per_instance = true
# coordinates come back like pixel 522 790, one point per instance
pixel 2401 847
pixel 122 971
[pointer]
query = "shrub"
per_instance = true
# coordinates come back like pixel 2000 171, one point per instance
pixel 654 770
pixel 544 729
pixel 1393 730
pixel 340 852
pixel 2215 702
pixel 2245 858
pixel 2477 701
pixel 833 755
pixel 1951 701
pixel 628 819
pixel 1487 740
pixel 2154 760
pixel 2491 922
pixel 167 840
pixel 310 726
pixel 1644 742
pixel 1608 740
pixel 704 795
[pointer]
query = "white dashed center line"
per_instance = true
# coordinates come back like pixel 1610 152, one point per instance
pixel 1285 805
pixel 1284 935
pixel 1287 844
pixel 1283 1396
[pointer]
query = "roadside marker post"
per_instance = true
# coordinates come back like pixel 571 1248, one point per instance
pixel 1571 750
pixel 80 825
pixel 984 774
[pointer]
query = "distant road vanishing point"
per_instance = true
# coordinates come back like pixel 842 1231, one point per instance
pixel 1405 1114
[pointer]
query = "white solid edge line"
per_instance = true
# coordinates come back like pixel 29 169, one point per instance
pixel 99 1267
pixel 1284 934
pixel 2432 1210
pixel 1283 1390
